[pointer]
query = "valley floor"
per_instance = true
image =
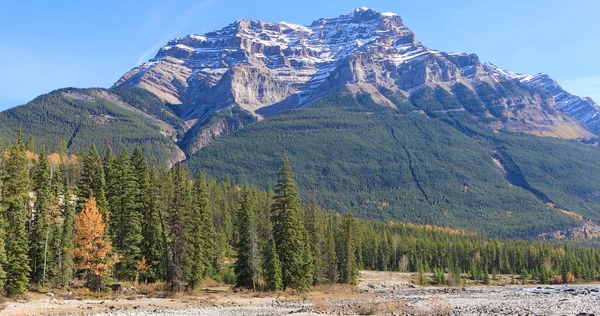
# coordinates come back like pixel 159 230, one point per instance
pixel 378 293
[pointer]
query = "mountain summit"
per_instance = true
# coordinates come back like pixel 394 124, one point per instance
pixel 265 68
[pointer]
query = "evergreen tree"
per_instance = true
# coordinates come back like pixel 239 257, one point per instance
pixel 113 183
pixel 68 238
pixel 246 267
pixel 152 243
pixel 176 221
pixel 330 257
pixel 203 210
pixel 92 182
pixel 40 235
pixel 271 266
pixel 347 263
pixel 16 181
pixel 316 226
pixel 290 234
pixel 127 220
pixel 197 261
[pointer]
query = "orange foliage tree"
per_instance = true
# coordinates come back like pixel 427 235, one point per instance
pixel 91 248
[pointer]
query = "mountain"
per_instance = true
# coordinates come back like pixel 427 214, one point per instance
pixel 79 117
pixel 374 122
pixel 265 68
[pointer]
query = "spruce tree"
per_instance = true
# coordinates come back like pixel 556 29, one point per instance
pixel 112 186
pixel 246 267
pixel 316 226
pixel 92 182
pixel 127 219
pixel 197 262
pixel 176 221
pixel 67 264
pixel 152 243
pixel 330 257
pixel 290 234
pixel 40 235
pixel 203 207
pixel 347 263
pixel 16 181
pixel 271 266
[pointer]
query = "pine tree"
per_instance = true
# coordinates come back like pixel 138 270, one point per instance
pixel 176 221
pixel 246 267
pixel 16 181
pixel 112 187
pixel 347 263
pixel 152 243
pixel 68 238
pixel 126 220
pixel 204 209
pixel 330 259
pixel 290 234
pixel 40 235
pixel 316 226
pixel 92 249
pixel 92 182
pixel 197 261
pixel 271 266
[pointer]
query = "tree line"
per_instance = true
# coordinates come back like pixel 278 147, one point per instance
pixel 118 217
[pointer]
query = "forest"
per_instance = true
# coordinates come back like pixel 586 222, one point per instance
pixel 114 217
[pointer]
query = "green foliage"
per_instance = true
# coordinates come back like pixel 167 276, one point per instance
pixel 469 100
pixel 14 201
pixel 153 245
pixel 176 221
pixel 82 117
pixel 328 247
pixel 40 234
pixel 126 217
pixel 246 264
pixel 290 234
pixel 92 182
pixel 67 264
pixel 271 266
pixel 348 243
pixel 356 156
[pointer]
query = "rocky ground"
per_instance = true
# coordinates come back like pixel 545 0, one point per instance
pixel 378 293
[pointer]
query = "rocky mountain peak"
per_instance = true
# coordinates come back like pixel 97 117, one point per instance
pixel 267 67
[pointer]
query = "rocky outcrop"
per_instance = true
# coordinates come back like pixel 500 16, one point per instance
pixel 265 68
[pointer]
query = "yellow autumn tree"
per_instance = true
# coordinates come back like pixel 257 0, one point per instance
pixel 91 248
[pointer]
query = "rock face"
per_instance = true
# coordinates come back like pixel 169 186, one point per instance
pixel 583 109
pixel 265 68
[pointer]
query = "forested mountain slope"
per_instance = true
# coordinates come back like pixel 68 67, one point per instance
pixel 379 162
pixel 79 117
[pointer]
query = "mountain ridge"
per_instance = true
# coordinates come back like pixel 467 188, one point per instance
pixel 268 67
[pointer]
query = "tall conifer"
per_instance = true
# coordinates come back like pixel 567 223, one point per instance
pixel 246 265
pixel 16 181
pixel 290 234
pixel 41 234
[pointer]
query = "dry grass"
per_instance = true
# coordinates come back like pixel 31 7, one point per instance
pixel 440 306
pixel 394 308
pixel 320 306
pixel 208 282
pixel 335 291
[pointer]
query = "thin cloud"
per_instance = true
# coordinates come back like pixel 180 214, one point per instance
pixel 183 21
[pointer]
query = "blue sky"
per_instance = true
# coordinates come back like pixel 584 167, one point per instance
pixel 45 45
